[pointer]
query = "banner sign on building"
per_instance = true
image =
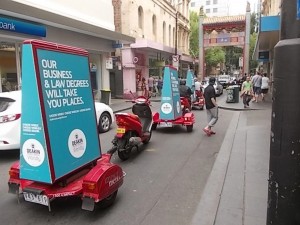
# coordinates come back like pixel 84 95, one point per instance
pixel 58 125
pixel 298 9
pixel 23 27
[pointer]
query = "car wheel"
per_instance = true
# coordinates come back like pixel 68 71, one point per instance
pixel 104 122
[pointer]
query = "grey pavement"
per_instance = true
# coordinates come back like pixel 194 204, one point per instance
pixel 237 188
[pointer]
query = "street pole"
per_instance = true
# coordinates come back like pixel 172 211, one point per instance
pixel 284 170
pixel 176 24
pixel 201 45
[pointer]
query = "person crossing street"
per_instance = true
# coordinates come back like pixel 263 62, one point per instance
pixel 211 106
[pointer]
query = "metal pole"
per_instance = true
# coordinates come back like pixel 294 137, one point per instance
pixel 284 170
pixel 176 24
pixel 247 40
pixel 201 47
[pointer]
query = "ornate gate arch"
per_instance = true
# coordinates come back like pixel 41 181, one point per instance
pixel 224 31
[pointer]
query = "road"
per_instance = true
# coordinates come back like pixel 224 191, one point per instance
pixel 163 184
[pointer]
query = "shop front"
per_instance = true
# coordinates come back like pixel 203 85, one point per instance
pixel 144 59
pixel 19 22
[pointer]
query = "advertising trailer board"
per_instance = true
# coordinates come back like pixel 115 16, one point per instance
pixel 58 125
pixel 170 108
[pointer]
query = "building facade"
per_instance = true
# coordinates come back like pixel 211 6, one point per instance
pixel 161 29
pixel 268 35
pixel 66 22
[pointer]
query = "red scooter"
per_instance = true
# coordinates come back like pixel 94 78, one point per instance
pixel 133 129
pixel 199 101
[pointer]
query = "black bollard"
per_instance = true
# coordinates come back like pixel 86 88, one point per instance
pixel 284 171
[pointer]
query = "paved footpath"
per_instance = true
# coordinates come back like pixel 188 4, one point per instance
pixel 237 188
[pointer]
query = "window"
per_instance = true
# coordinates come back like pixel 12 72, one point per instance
pixel 170 35
pixel 215 10
pixel 207 2
pixel 207 10
pixel 164 32
pixel 193 4
pixel 215 2
pixel 154 25
pixel 141 17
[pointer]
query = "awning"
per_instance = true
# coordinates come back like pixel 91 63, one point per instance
pixel 19 10
pixel 268 35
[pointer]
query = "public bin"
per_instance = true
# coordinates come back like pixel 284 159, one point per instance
pixel 105 96
pixel 236 93
pixel 233 94
pixel 230 94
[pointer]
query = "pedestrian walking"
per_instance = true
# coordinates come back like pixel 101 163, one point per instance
pixel 159 85
pixel 211 106
pixel 264 86
pixel 256 82
pixel 150 85
pixel 246 92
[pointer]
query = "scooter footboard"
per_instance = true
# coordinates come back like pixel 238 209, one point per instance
pixel 102 181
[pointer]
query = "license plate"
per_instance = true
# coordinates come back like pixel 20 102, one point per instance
pixel 166 124
pixel 120 130
pixel 40 199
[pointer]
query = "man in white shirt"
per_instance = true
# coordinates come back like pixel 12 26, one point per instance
pixel 197 85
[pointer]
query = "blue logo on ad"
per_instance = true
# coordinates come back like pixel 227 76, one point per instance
pixel 22 27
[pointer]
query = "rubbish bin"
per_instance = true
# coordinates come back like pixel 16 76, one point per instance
pixel 230 94
pixel 233 94
pixel 236 93
pixel 105 96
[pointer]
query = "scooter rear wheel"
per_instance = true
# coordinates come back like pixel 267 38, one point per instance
pixel 124 154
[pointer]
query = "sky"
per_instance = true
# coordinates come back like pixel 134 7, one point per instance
pixel 239 6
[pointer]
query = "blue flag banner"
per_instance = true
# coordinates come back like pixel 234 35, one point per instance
pixel 170 108
pixel 59 130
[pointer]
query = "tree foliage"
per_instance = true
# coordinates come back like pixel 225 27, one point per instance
pixel 214 56
pixel 194 35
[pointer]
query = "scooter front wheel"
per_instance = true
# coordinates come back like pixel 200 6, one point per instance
pixel 146 141
pixel 124 155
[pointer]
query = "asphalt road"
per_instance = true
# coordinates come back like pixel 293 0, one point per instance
pixel 163 184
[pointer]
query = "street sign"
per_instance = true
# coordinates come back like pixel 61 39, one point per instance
pixel 117 45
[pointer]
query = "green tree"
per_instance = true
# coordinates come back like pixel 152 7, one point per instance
pixel 214 56
pixel 232 55
pixel 252 62
pixel 194 35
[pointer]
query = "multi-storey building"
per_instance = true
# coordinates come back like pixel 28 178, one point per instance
pixel 211 7
pixel 161 29
pixel 268 35
pixel 89 26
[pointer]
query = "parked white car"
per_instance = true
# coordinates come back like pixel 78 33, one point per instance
pixel 218 87
pixel 10 119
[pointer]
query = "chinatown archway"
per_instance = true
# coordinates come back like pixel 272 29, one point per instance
pixel 222 32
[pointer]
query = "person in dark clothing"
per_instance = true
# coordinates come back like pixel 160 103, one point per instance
pixel 186 92
pixel 211 106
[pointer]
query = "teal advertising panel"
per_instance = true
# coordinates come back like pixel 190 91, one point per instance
pixel 59 88
pixel 170 108
pixel 190 82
